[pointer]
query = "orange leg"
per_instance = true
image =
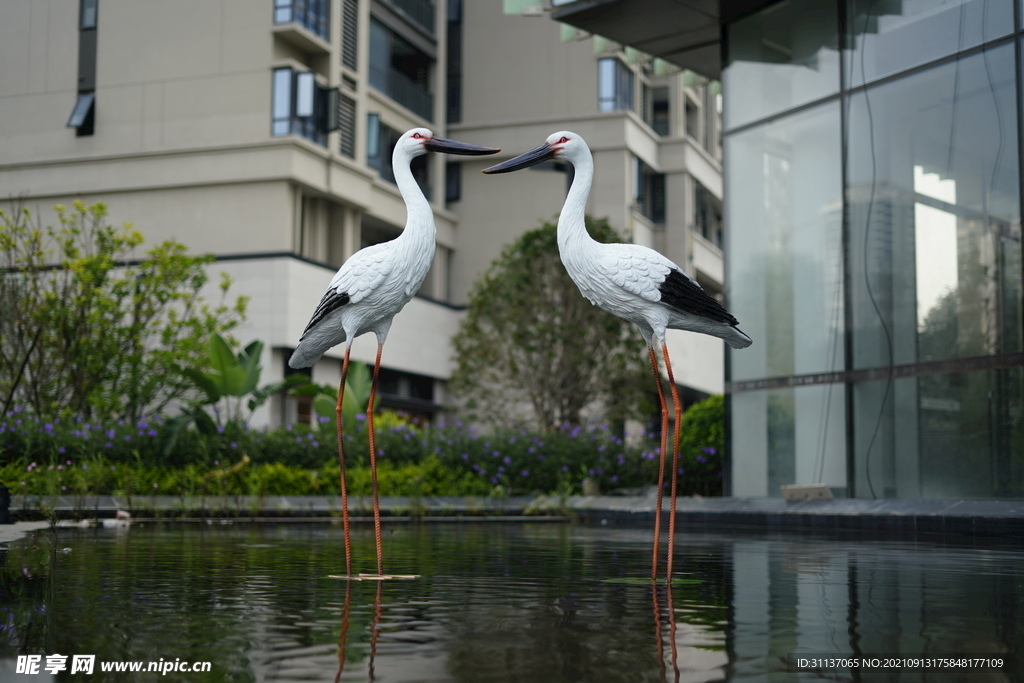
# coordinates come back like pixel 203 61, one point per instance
pixel 341 464
pixel 675 461
pixel 373 461
pixel 661 464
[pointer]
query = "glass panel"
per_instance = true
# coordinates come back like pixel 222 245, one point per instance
pixel 81 110
pixel 282 102
pixel 887 37
pixel 606 84
pixel 783 217
pixel 380 56
pixel 88 19
pixel 945 436
pixel 786 54
pixel 789 436
pixel 933 163
pixel 304 94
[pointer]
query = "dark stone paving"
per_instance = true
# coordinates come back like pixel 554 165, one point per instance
pixel 991 519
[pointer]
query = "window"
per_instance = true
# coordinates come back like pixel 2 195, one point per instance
pixel 692 119
pixel 88 15
pixel 82 115
pixel 380 145
pixel 614 85
pixel 301 106
pixel 453 181
pixel 454 108
pixel 655 108
pixel 650 192
pixel 313 14
pixel 707 214
pixel 400 71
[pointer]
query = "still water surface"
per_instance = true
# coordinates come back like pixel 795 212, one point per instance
pixel 499 602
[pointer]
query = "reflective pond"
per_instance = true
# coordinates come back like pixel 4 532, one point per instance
pixel 533 602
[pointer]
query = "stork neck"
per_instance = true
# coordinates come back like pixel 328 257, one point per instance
pixel 420 215
pixel 571 222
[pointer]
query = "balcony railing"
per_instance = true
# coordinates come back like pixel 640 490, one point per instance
pixel 403 90
pixel 313 14
pixel 420 11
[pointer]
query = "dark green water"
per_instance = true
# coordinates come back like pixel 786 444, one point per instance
pixel 498 602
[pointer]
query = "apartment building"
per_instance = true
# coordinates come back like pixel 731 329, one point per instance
pixel 261 131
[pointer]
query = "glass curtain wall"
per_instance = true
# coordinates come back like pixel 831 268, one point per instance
pixel 872 213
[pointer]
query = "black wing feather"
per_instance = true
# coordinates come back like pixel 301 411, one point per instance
pixel 680 292
pixel 332 301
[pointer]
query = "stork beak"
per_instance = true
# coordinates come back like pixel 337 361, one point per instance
pixel 455 147
pixel 524 160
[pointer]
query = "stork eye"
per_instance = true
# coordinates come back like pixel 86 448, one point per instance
pixel 417 136
pixel 564 139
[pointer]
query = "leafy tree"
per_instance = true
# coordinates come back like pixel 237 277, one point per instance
pixel 531 337
pixel 86 330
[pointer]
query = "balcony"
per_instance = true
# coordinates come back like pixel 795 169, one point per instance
pixel 312 14
pixel 402 89
pixel 419 12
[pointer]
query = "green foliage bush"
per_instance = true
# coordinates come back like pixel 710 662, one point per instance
pixel 78 456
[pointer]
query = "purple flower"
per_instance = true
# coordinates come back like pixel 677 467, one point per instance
pixel 127 438
pixel 63 488
pixel 512 439
pixel 234 445
pixel 507 460
pixel 151 432
pixel 112 468
pixel 531 449
pixel 565 468
pixel 465 456
pixel 360 416
pixel 61 450
pixel 110 433
pixel 614 478
pixel 709 450
pixel 701 459
pixel 524 473
pixel 682 471
pixel 316 444
pixel 49 428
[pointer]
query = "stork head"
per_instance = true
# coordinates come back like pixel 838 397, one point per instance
pixel 419 141
pixel 563 145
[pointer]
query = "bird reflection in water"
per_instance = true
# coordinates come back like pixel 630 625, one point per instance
pixel 346 612
pixel 659 632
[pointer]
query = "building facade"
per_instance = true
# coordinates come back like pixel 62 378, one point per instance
pixel 872 217
pixel 874 203
pixel 262 134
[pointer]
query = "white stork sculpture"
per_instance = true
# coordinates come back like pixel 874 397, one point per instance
pixel 369 289
pixel 634 283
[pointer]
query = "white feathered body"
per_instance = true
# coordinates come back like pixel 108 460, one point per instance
pixel 634 282
pixel 379 280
